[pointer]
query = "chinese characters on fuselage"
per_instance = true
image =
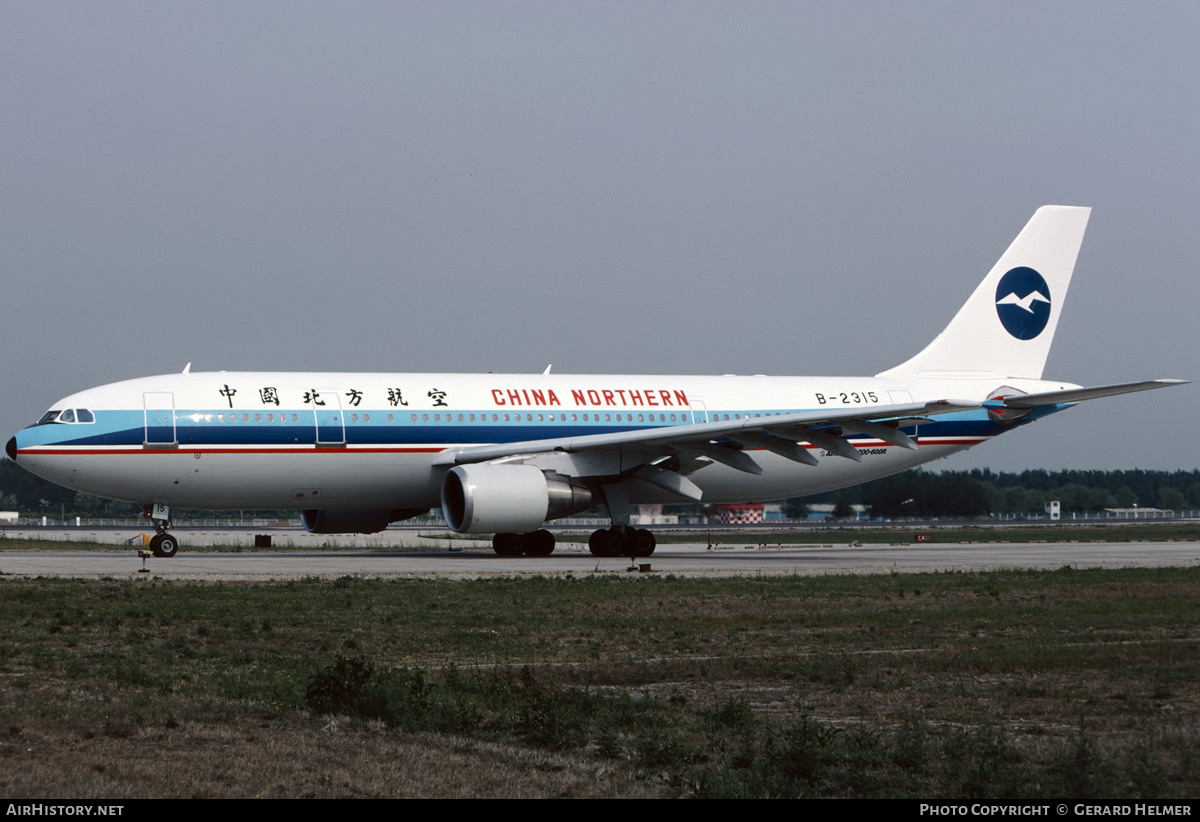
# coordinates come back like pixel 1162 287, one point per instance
pixel 499 397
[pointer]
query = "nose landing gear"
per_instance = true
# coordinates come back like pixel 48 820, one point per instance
pixel 162 544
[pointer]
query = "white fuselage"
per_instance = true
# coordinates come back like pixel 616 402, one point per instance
pixel 360 440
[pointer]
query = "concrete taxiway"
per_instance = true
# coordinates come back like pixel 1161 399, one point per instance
pixel 473 558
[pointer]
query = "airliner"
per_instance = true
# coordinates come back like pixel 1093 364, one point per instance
pixel 502 454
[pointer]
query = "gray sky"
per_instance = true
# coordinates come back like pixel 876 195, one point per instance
pixel 691 187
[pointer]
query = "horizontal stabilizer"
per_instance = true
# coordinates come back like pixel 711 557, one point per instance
pixel 1079 394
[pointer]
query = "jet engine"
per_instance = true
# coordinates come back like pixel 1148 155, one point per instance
pixel 353 520
pixel 508 499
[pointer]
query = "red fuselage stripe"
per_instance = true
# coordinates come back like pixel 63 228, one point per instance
pixel 125 451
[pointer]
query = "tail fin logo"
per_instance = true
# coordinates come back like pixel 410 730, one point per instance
pixel 1023 303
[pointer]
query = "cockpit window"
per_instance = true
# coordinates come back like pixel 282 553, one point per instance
pixel 70 415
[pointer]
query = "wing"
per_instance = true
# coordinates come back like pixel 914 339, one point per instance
pixel 646 452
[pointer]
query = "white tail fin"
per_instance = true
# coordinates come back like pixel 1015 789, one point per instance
pixel 1005 328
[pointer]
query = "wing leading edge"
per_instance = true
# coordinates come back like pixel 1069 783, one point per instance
pixel 689 447
pixel 665 456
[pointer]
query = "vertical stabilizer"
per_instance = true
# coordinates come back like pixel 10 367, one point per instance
pixel 1006 326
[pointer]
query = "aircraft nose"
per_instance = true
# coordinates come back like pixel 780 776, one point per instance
pixel 11 448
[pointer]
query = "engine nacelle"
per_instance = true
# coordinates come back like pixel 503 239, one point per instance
pixel 353 520
pixel 508 499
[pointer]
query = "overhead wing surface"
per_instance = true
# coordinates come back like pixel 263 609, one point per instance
pixel 688 447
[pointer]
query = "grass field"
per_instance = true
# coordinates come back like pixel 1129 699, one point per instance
pixel 1026 684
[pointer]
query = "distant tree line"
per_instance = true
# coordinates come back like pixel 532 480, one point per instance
pixel 916 493
pixel 982 491
pixel 32 496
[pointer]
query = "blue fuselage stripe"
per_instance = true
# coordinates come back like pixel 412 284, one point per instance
pixel 127 428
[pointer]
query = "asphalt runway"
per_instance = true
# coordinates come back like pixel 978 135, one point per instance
pixel 473 558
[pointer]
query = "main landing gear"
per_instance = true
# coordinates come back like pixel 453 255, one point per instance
pixel 162 544
pixel 538 543
pixel 621 541
pixel 618 541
